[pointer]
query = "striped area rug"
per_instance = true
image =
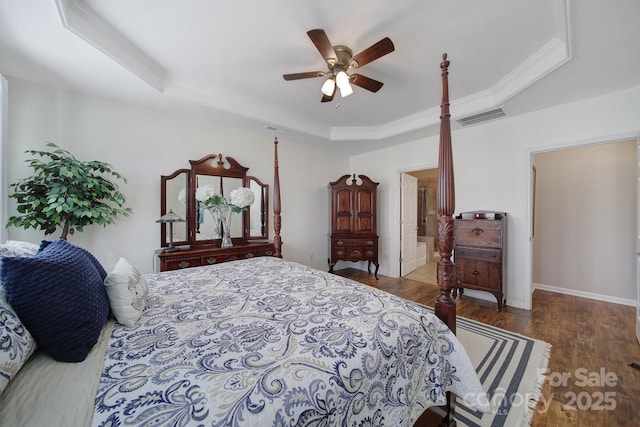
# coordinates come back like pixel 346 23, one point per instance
pixel 511 368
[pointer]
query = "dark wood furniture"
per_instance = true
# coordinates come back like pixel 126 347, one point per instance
pixel 480 253
pixel 353 221
pixel 206 255
pixel 445 305
pixel 194 246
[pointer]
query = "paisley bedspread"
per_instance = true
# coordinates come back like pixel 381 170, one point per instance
pixel 266 342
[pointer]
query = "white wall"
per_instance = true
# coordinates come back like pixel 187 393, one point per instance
pixel 143 144
pixel 492 163
pixel 586 212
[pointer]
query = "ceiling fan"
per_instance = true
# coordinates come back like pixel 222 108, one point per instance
pixel 340 60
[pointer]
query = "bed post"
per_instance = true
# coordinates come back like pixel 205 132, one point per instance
pixel 277 241
pixel 445 305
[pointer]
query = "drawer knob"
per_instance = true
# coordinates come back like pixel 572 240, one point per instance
pixel 339 243
pixel 249 255
pixel 476 272
pixel 477 231
pixel 211 260
pixel 183 264
pixel 370 243
pixel 340 252
pixel 269 253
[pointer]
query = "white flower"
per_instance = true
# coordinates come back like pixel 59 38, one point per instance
pixel 241 197
pixel 182 196
pixel 205 192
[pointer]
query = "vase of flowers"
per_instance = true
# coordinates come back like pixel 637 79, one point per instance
pixel 222 209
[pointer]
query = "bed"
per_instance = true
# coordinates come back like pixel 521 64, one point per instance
pixel 255 342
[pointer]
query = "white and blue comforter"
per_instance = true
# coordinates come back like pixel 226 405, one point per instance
pixel 266 342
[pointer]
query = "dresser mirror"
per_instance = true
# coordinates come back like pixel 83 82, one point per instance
pixel 174 198
pixel 258 222
pixel 205 227
pixel 225 175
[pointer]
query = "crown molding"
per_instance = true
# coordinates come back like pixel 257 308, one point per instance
pixel 81 20
pixel 84 22
pixel 551 56
pixel 548 58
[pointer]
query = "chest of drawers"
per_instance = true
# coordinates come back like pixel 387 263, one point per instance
pixel 480 253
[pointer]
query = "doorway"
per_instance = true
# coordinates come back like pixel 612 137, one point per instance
pixel 584 206
pixel 426 214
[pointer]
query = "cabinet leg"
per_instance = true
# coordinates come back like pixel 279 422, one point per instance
pixel 331 264
pixel 377 267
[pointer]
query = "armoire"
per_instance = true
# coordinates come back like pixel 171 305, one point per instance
pixel 353 221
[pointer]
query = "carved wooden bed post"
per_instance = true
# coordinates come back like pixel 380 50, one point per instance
pixel 277 241
pixel 445 305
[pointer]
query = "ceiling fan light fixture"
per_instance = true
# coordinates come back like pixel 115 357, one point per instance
pixel 346 90
pixel 328 87
pixel 342 80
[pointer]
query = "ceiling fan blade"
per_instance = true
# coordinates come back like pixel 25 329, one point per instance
pixel 373 52
pixel 307 75
pixel 366 82
pixel 327 98
pixel 322 43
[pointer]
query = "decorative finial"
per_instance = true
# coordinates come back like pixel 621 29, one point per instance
pixel 444 64
pixel 275 140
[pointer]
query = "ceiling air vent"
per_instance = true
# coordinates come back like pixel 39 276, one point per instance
pixel 481 117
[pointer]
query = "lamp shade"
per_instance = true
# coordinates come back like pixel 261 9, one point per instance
pixel 328 87
pixel 346 90
pixel 342 80
pixel 170 217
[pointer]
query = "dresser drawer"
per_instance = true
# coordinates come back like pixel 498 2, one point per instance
pixel 338 242
pixel 227 256
pixel 480 274
pixel 478 233
pixel 481 254
pixel 176 264
pixel 266 251
pixel 354 253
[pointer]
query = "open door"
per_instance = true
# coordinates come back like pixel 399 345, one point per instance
pixel 408 224
pixel 638 243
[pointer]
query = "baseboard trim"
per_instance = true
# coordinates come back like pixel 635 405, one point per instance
pixel 583 294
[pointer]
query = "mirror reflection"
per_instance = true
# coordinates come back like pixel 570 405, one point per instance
pixel 176 200
pixel 258 224
pixel 221 175
pixel 206 229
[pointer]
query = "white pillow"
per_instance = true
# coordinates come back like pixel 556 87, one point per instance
pixel 16 343
pixel 18 248
pixel 127 290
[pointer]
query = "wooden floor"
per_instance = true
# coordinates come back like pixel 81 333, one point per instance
pixel 589 382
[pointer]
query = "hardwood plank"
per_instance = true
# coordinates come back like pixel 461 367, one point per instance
pixel 592 341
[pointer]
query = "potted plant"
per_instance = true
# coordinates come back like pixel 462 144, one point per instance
pixel 66 192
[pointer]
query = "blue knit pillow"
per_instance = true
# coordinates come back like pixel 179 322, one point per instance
pixel 63 243
pixel 59 296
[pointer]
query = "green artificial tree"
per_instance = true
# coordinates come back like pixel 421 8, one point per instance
pixel 66 192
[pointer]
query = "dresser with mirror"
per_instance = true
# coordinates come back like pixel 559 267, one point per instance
pixel 196 240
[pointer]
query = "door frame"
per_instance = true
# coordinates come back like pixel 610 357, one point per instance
pixel 410 264
pixel 527 285
pixel 398 210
